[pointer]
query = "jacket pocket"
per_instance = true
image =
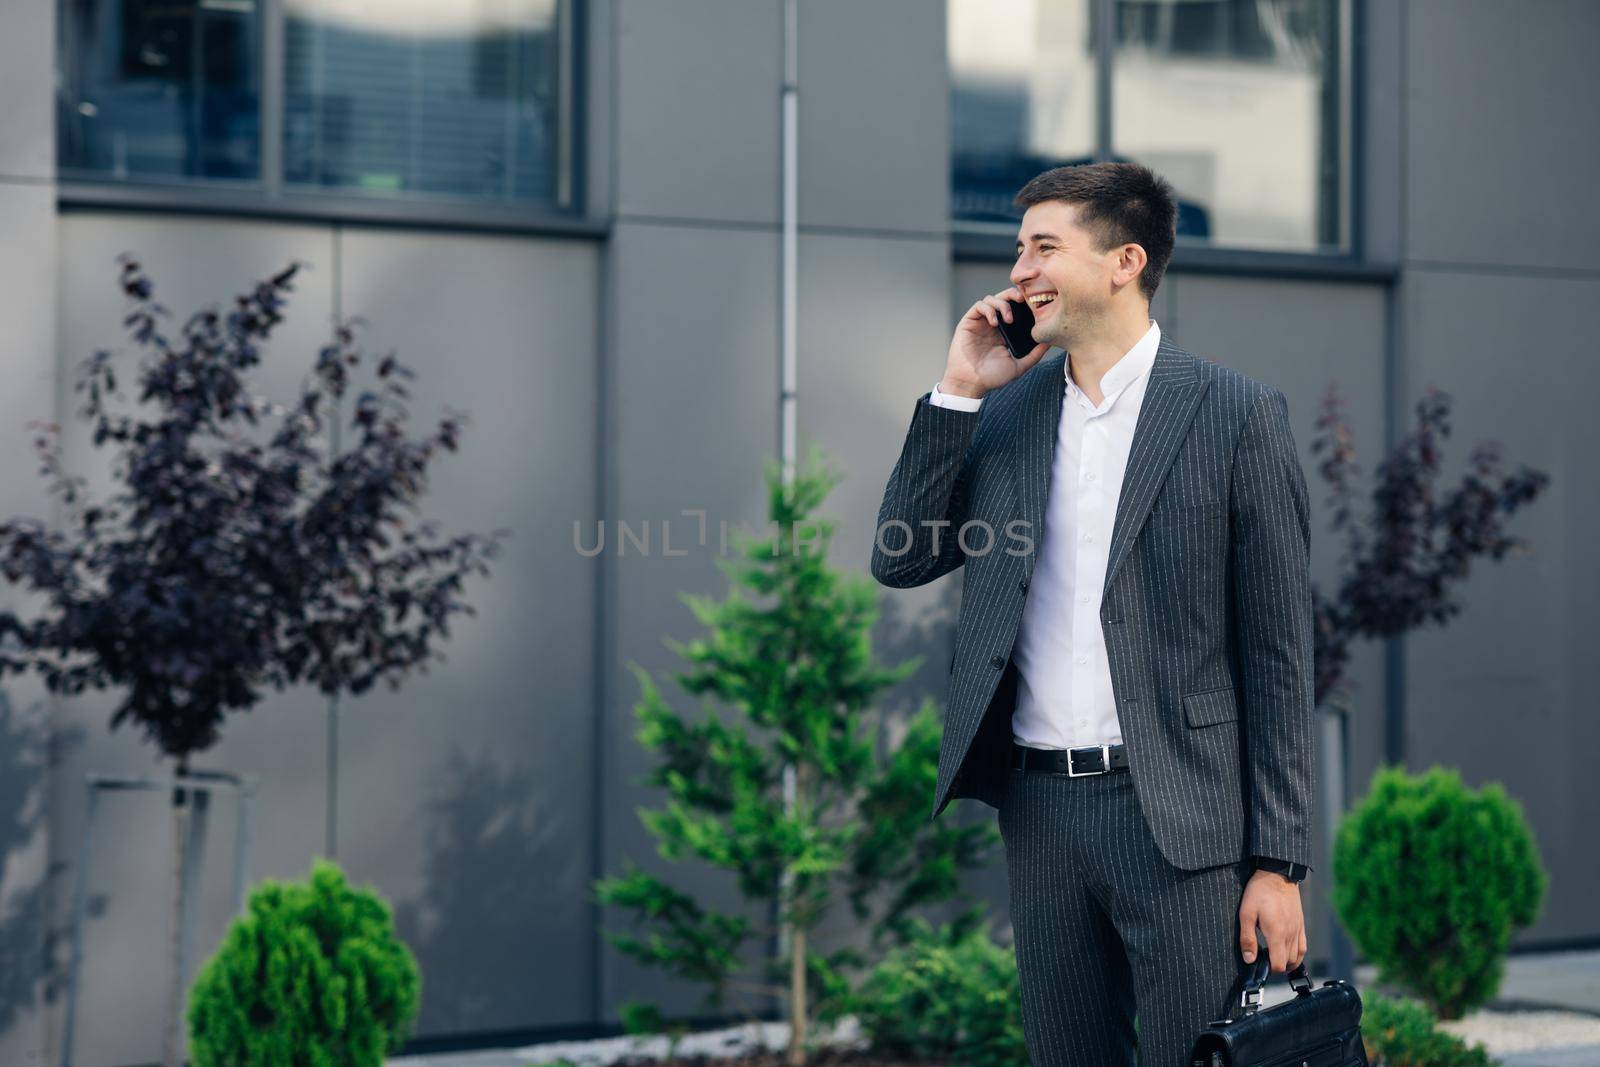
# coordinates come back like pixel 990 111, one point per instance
pixel 1188 512
pixel 1211 706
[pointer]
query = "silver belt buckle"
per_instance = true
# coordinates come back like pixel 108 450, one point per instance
pixel 1105 762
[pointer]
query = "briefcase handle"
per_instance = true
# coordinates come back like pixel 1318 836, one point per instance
pixel 1255 978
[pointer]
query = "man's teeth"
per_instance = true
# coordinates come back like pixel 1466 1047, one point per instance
pixel 1041 299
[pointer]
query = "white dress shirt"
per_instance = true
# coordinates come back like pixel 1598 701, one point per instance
pixel 1064 695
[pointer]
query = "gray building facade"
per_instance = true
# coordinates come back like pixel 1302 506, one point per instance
pixel 620 362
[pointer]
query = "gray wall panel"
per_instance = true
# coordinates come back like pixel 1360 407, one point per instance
pixel 865 357
pixel 1504 691
pixel 1499 158
pixel 27 85
pixel 595 131
pixel 874 120
pixel 1300 336
pixel 27 306
pixel 1378 131
pixel 27 361
pixel 697 109
pixel 691 394
pixel 1501 147
pixel 465 794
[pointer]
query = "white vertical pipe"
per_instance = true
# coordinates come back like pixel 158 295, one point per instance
pixel 787 299
pixel 791 201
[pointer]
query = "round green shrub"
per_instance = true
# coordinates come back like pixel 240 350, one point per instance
pixel 1430 878
pixel 311 976
pixel 943 998
pixel 1402 1033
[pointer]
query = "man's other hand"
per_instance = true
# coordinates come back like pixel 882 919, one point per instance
pixel 1272 902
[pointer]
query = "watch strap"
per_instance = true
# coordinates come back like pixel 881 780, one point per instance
pixel 1294 872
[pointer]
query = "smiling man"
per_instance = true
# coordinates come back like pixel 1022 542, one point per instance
pixel 1131 686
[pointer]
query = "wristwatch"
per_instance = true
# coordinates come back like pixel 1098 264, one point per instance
pixel 1295 872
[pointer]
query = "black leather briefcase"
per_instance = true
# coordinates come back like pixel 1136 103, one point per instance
pixel 1318 1028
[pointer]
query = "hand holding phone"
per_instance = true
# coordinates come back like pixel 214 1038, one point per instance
pixel 993 345
pixel 1018 333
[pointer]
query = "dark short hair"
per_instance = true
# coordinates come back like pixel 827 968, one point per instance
pixel 1122 203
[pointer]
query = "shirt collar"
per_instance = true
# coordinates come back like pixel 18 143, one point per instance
pixel 1134 364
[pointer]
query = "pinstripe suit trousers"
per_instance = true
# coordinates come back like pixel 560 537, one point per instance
pixel 1105 928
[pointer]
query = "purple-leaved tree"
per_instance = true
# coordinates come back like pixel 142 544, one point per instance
pixel 223 567
pixel 1403 559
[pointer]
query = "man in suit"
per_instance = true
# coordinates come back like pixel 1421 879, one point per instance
pixel 1131 686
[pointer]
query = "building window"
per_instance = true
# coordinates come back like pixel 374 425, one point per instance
pixel 1023 97
pixel 449 98
pixel 160 89
pixel 406 101
pixel 1242 104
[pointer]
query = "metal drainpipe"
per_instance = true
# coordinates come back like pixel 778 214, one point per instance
pixel 787 354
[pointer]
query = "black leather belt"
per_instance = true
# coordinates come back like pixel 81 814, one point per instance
pixel 1072 762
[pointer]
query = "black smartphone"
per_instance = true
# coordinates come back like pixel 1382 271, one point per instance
pixel 1018 333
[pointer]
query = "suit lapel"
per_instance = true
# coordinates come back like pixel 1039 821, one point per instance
pixel 1034 446
pixel 1172 396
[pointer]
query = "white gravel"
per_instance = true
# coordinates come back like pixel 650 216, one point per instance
pixel 731 1041
pixel 1524 1031
pixel 1500 1032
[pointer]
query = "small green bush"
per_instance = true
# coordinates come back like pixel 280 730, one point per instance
pixel 1430 878
pixel 312 976
pixel 947 998
pixel 1402 1033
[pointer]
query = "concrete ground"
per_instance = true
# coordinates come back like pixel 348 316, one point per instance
pixel 1536 1006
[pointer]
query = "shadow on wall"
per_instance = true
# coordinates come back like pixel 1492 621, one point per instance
pixel 31 963
pixel 494 874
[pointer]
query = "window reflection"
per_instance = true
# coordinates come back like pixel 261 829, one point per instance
pixel 1022 97
pixel 451 97
pixel 159 88
pixel 1239 104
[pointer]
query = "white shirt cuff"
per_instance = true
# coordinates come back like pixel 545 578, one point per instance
pixel 960 403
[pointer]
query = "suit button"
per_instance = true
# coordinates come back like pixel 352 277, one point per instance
pixel 997 662
pixel 1022 583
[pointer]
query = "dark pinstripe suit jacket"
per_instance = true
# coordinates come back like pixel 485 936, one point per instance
pixel 1206 607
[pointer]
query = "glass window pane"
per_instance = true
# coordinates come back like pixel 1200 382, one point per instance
pixel 1022 97
pixel 449 97
pixel 1239 103
pixel 159 88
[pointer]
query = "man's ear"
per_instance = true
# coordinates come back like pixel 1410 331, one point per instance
pixel 1134 256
